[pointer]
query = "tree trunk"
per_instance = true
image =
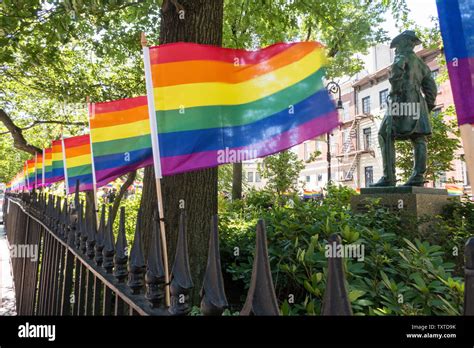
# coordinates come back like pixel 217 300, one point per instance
pixel 236 181
pixel 197 21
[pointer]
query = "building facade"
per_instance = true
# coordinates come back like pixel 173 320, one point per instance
pixel 355 155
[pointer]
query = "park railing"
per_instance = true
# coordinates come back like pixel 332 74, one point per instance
pixel 65 263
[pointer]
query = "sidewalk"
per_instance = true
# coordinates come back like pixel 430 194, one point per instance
pixel 7 294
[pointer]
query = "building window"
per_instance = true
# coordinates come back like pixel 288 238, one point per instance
pixel 366 105
pixel 306 151
pixel 367 133
pixel 319 147
pixel 320 177
pixel 369 176
pixel 250 176
pixel 308 178
pixel 383 95
pixel 345 112
pixel 257 177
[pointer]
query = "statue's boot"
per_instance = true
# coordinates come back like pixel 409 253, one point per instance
pixel 387 147
pixel 417 178
pixel 383 182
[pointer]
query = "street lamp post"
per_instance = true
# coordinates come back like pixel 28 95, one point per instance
pixel 333 88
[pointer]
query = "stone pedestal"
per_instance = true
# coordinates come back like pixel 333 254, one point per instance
pixel 411 202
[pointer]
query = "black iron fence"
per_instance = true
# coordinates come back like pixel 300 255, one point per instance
pixel 71 265
pixel 68 264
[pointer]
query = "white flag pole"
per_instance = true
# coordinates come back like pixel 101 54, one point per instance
pixel 36 173
pixel 66 182
pixel 156 159
pixel 94 181
pixel 27 179
pixel 42 171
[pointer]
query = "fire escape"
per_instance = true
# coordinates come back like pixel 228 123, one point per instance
pixel 351 151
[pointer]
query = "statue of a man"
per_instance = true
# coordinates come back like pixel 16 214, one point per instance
pixel 412 98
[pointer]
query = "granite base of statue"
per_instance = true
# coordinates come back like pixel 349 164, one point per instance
pixel 411 202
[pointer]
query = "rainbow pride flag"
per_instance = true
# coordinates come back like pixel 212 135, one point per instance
pixel 217 105
pixel 78 163
pixel 39 169
pixel 456 20
pixel 17 183
pixel 454 190
pixel 120 136
pixel 57 161
pixel 47 166
pixel 312 194
pixel 31 174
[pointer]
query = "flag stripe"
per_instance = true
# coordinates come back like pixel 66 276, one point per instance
pixel 279 142
pixel 198 71
pixel 215 93
pixel 461 75
pixel 116 172
pixel 114 118
pixel 121 131
pixel 181 143
pixel 118 160
pixel 122 145
pixel 235 115
pixel 457 27
pixel 185 51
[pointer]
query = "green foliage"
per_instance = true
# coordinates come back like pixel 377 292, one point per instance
pixel 225 178
pixel 282 171
pixel 442 146
pixel 402 272
pixel 131 204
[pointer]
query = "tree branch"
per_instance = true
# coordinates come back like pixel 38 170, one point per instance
pixel 64 123
pixel 130 179
pixel 19 140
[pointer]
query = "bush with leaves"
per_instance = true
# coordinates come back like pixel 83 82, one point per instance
pixel 402 273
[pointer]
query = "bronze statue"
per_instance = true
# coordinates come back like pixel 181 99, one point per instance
pixel 411 99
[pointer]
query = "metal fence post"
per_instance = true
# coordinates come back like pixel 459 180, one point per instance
pixel 469 277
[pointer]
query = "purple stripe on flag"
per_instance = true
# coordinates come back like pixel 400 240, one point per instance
pixel 105 176
pixel 82 187
pixel 461 74
pixel 309 130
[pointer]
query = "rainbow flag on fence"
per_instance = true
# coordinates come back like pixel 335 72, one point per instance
pixel 78 163
pixel 217 105
pixel 39 169
pixel 47 166
pixel 57 161
pixel 31 173
pixel 17 183
pixel 120 137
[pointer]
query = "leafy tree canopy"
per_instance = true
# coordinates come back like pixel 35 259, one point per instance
pixel 53 54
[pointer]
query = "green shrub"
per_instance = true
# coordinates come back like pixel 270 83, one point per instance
pixel 401 274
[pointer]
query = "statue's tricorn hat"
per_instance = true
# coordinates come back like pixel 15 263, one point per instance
pixel 407 34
